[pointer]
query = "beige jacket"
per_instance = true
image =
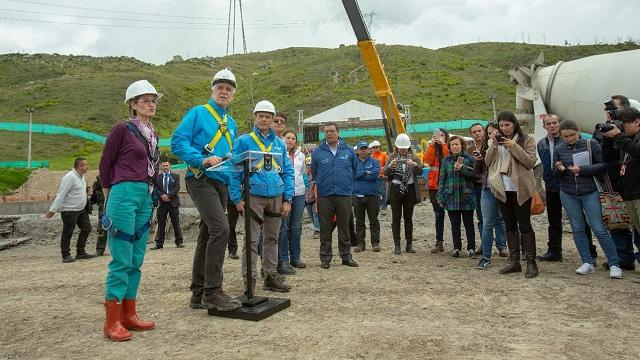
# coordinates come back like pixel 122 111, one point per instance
pixel 518 165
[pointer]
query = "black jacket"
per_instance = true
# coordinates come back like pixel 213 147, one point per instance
pixel 583 183
pixel 629 147
pixel 174 188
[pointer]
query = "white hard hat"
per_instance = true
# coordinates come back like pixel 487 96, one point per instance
pixel 226 76
pixel 138 88
pixel 403 141
pixel 634 104
pixel 374 143
pixel 264 106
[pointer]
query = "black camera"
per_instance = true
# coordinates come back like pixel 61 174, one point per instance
pixel 499 138
pixel 604 127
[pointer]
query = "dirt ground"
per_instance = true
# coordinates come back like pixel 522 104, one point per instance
pixel 413 306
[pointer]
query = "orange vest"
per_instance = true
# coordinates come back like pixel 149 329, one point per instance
pixel 430 158
pixel 382 158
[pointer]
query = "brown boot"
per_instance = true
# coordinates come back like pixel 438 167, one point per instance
pixel 220 301
pixel 130 319
pixel 438 247
pixel 113 328
pixel 274 283
pixel 513 264
pixel 529 244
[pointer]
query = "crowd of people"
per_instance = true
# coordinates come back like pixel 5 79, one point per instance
pixel 341 187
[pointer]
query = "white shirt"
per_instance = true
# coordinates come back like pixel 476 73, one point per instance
pixel 509 185
pixel 72 195
pixel 299 168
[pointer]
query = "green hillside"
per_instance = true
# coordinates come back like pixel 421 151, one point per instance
pixel 87 92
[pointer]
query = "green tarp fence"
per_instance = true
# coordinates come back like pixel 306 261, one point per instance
pixel 24 164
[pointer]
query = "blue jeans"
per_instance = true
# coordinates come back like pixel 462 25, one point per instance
pixel 439 212
pixel 382 193
pixel 492 220
pixel 589 205
pixel 313 215
pixel 290 232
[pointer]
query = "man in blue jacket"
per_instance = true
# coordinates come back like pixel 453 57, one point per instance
pixel 365 197
pixel 271 187
pixel 205 135
pixel 333 165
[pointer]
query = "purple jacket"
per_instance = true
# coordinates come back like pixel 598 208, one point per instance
pixel 124 158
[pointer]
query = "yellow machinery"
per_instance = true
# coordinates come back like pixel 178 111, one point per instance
pixel 392 121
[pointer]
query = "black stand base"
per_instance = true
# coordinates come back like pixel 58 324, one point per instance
pixel 255 309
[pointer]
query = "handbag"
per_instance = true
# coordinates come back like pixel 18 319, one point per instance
pixel 614 213
pixel 537 204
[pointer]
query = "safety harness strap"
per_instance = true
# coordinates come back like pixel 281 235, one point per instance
pixel 264 149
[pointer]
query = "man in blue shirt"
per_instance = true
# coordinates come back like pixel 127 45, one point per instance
pixel 365 197
pixel 333 165
pixel 205 135
pixel 271 188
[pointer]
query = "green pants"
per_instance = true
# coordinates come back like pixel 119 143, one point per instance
pixel 129 208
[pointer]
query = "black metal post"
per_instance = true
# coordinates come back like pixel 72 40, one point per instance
pixel 247 228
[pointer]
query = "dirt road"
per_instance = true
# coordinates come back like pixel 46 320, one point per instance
pixel 412 306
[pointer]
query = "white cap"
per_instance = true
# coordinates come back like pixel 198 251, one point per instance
pixel 264 106
pixel 138 88
pixel 634 104
pixel 374 143
pixel 403 141
pixel 226 76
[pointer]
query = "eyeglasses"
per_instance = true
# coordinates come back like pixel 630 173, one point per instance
pixel 375 147
pixel 279 121
pixel 146 101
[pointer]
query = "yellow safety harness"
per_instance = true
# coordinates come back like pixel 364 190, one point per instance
pixel 264 149
pixel 222 131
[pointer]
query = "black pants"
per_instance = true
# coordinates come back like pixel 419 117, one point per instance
pixel 370 205
pixel 101 243
pixel 210 198
pixel 232 218
pixel 174 214
pixel 554 230
pixel 340 206
pixel 516 217
pixel 467 219
pixel 402 208
pixel 69 221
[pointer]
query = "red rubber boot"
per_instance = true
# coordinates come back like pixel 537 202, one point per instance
pixel 113 328
pixel 130 319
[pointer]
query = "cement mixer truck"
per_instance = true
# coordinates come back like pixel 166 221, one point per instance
pixel 575 89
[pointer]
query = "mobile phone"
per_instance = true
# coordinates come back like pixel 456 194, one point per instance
pixel 499 137
pixel 476 152
pixel 437 132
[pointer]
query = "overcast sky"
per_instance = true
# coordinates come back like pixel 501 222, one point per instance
pixel 156 30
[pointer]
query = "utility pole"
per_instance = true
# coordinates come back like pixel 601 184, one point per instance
pixel 30 111
pixel 493 105
pixel 301 127
pixel 371 15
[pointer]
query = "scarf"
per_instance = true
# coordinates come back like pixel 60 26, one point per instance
pixel 403 173
pixel 149 134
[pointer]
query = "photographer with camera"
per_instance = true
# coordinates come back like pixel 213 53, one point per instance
pixel 623 238
pixel 628 143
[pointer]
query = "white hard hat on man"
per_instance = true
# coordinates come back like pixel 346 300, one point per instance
pixel 224 76
pixel 138 88
pixel 264 106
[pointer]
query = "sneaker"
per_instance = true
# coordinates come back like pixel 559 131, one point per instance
pixel 68 259
pixel 637 280
pixel 585 269
pixel 503 252
pixel 196 302
pixel 376 248
pixel 615 272
pixel 221 301
pixel 483 264
pixel 233 256
pixel 316 234
pixel 472 254
pixel 84 255
pixel 286 269
pixel 455 253
pixel 359 248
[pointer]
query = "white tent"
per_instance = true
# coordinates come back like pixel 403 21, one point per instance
pixel 352 112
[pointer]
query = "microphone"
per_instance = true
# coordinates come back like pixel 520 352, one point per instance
pixel 222 159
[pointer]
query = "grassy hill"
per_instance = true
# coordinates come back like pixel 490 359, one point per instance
pixel 87 92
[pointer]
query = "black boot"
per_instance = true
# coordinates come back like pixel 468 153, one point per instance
pixel 397 248
pixel 409 248
pixel 529 244
pixel 513 264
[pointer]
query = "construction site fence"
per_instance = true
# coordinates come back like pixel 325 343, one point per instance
pixel 24 164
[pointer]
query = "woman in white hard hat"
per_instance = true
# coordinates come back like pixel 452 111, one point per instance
pixel 128 166
pixel 403 168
